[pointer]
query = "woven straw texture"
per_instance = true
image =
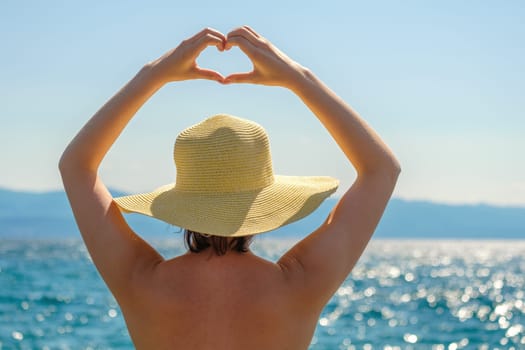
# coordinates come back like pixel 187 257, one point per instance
pixel 225 184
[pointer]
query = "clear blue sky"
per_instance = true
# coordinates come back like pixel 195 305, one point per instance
pixel 442 82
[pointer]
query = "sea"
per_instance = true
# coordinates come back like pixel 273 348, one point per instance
pixel 402 294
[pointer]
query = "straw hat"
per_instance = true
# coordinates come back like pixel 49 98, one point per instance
pixel 225 184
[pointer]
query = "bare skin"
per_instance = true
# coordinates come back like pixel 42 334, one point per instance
pixel 236 301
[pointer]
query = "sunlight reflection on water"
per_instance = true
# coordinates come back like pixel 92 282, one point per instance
pixel 401 295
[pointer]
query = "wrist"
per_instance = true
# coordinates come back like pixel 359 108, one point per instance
pixel 301 78
pixel 152 75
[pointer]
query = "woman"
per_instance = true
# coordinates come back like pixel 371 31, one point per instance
pixel 234 299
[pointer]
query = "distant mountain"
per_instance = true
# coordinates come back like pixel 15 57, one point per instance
pixel 34 215
pixel 426 219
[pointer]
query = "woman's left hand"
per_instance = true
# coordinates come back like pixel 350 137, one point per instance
pixel 180 63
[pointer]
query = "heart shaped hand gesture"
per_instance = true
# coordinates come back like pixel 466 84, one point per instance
pixel 270 65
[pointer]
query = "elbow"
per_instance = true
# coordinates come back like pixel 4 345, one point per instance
pixel 387 170
pixel 68 164
pixel 386 174
pixel 64 163
pixel 390 173
pixel 64 168
pixel 394 169
pixel 71 167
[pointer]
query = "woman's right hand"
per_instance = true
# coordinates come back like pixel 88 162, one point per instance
pixel 270 65
pixel 180 63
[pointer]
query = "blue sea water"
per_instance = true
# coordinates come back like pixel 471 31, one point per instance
pixel 441 295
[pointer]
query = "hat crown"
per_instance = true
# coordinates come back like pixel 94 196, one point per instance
pixel 223 154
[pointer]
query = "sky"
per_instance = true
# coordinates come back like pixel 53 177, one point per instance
pixel 442 82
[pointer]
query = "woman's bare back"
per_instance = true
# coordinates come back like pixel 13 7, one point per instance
pixel 202 301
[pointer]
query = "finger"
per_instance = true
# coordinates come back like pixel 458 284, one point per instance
pixel 249 77
pixel 207 31
pixel 252 31
pixel 208 40
pixel 246 34
pixel 244 44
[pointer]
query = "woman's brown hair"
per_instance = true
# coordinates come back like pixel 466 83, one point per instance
pixel 197 242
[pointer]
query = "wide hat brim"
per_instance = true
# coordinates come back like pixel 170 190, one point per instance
pixel 234 214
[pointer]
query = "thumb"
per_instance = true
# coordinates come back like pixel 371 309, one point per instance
pixel 208 74
pixel 248 77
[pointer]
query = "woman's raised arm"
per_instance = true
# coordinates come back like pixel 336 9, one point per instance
pixel 117 251
pixel 321 261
